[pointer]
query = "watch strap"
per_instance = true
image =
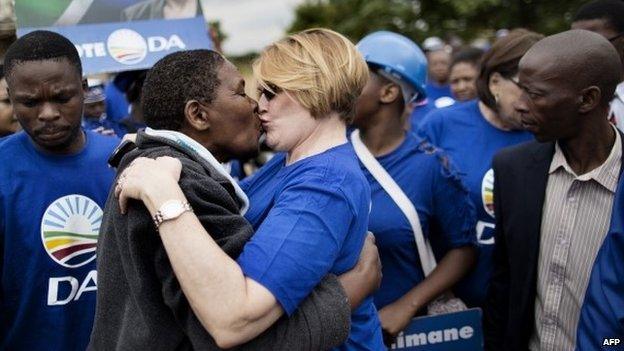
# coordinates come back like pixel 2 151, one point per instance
pixel 159 218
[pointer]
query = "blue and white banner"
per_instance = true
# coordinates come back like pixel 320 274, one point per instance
pixel 119 35
pixel 123 46
pixel 460 331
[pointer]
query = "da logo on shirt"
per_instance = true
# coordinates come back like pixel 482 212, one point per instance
pixel 69 230
pixel 487 192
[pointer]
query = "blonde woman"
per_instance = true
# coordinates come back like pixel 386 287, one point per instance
pixel 309 205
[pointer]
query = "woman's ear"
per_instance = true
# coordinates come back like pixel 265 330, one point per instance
pixel 494 83
pixel 196 115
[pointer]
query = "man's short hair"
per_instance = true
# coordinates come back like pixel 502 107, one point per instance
pixel 318 67
pixel 610 10
pixel 176 79
pixel 41 45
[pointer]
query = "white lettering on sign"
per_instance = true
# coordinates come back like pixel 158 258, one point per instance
pixel 433 337
pixel 466 332
pixel 155 44
pixel 129 47
pixel 90 50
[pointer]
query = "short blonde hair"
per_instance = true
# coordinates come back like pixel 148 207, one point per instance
pixel 319 68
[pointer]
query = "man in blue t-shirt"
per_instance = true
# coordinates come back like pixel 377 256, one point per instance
pixel 53 184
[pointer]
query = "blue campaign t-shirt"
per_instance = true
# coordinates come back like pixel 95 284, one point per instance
pixel 439 95
pixel 443 205
pixel 602 313
pixel 310 219
pixel 92 124
pixel 435 91
pixel 471 142
pixel 50 214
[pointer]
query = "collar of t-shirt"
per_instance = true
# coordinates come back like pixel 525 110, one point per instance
pixel 606 174
pixel 188 143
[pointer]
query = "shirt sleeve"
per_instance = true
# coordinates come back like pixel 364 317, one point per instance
pixel 299 241
pixel 428 128
pixel 454 212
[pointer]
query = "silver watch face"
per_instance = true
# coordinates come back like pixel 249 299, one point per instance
pixel 171 209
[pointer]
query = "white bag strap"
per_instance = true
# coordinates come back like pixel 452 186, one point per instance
pixel 427 259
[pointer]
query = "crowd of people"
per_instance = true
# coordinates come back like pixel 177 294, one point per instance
pixel 403 182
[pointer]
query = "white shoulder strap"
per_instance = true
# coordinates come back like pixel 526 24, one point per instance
pixel 427 259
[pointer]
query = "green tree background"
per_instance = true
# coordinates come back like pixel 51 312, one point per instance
pixel 419 19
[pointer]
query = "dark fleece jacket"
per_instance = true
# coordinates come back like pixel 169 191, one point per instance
pixel 140 305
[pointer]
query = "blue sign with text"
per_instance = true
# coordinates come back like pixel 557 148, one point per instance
pixel 123 46
pixel 459 331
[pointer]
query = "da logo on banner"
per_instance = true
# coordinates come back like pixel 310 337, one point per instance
pixel 460 331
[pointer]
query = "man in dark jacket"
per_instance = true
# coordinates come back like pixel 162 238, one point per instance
pixel 196 103
pixel 553 198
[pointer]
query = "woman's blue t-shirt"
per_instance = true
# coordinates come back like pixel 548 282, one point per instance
pixel 471 142
pixel 443 205
pixel 310 219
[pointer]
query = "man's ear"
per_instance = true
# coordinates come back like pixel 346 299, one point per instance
pixel 85 85
pixel 389 93
pixel 196 115
pixel 589 99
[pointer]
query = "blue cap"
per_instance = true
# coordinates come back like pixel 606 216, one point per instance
pixel 94 94
pixel 397 56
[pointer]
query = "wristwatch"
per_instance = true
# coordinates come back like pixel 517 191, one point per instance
pixel 171 209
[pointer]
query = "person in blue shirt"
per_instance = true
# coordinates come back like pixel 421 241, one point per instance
pixel 464 72
pixel 397 75
pixel 94 114
pixel 437 93
pixel 132 84
pixel 309 204
pixel 439 59
pixel 54 181
pixel 472 132
pixel 202 124
pixel 602 313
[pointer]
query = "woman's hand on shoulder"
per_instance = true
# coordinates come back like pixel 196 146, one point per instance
pixel 152 181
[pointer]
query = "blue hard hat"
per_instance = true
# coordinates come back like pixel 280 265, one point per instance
pixel 398 56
